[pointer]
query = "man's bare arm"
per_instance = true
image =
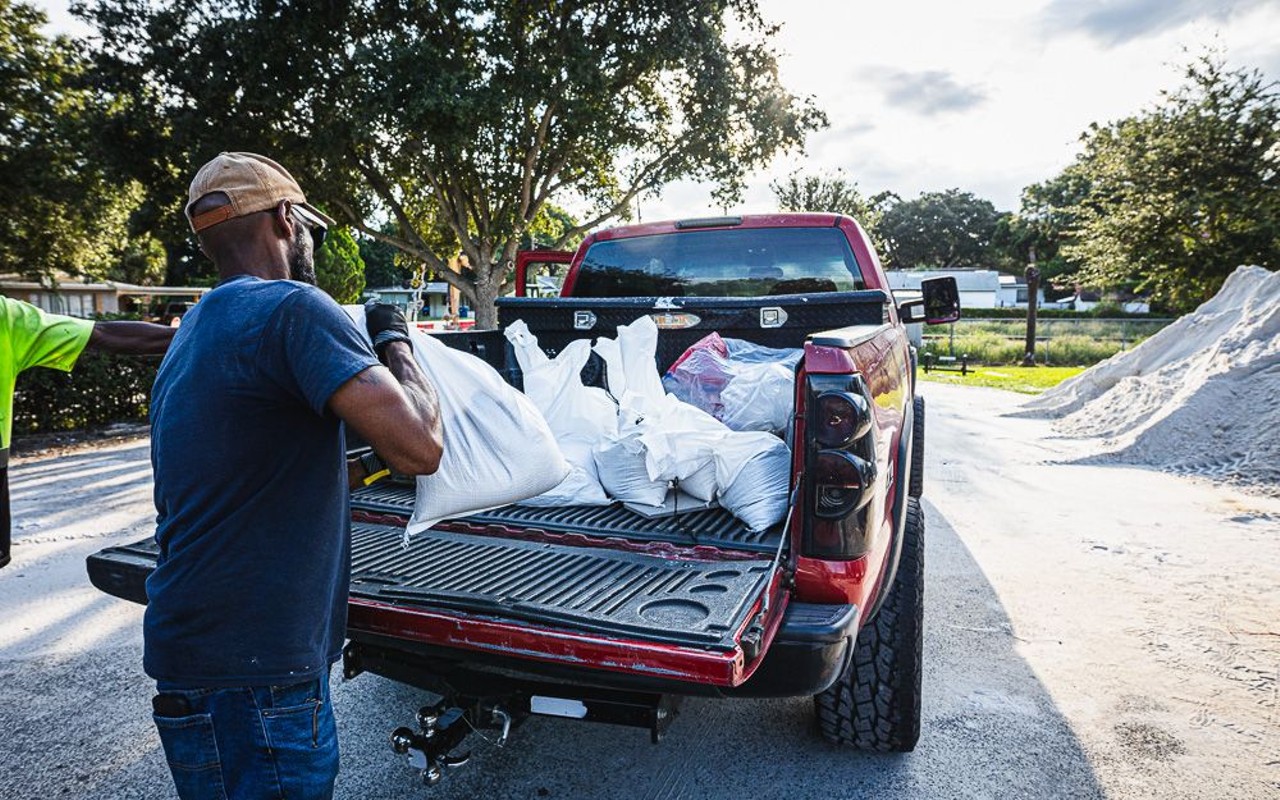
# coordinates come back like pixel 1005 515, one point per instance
pixel 130 338
pixel 396 410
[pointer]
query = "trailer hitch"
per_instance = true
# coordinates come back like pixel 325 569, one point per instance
pixel 441 730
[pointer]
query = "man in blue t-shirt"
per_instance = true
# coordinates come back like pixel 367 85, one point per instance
pixel 247 605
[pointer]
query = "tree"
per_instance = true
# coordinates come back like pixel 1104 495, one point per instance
pixel 60 211
pixel 1043 223
pixel 1182 194
pixel 474 114
pixel 827 193
pixel 939 230
pixel 833 193
pixel 380 267
pixel 142 261
pixel 339 267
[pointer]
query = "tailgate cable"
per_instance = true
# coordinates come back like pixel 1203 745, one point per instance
pixel 757 627
pixel 782 544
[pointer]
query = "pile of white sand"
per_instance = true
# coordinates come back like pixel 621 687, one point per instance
pixel 1201 396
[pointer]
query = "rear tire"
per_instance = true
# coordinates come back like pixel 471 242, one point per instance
pixel 916 487
pixel 875 703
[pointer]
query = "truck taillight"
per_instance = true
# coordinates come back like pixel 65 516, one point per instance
pixel 842 484
pixel 840 471
pixel 841 418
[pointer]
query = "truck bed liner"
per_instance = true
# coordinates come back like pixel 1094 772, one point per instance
pixel 620 594
pixel 715 527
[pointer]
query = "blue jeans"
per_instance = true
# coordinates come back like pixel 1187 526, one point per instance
pixel 249 743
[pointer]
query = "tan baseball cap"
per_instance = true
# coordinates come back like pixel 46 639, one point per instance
pixel 252 183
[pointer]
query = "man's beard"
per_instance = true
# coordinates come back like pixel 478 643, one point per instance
pixel 302 265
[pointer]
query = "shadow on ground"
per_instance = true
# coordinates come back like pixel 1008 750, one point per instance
pixel 81 728
pixel 990 730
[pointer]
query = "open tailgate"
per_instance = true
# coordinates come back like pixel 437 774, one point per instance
pixel 674 615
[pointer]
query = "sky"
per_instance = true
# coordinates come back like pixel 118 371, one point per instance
pixel 987 96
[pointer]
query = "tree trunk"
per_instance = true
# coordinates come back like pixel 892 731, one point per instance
pixel 1033 290
pixel 486 293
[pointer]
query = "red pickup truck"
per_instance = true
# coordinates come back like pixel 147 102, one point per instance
pixel 602 614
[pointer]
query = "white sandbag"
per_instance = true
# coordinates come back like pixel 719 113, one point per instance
pixel 759 397
pixel 701 483
pixel 498 449
pixel 615 377
pixel 580 488
pixel 638 347
pixel 753 471
pixel 680 443
pixel 582 485
pixel 620 460
pixel 572 410
pixel 579 416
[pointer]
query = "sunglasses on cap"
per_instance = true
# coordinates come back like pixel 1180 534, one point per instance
pixel 311 223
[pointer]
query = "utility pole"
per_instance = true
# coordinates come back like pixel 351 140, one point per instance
pixel 1033 292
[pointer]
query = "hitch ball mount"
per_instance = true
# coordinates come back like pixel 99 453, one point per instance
pixel 441 730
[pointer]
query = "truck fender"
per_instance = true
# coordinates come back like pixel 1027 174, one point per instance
pixel 902 480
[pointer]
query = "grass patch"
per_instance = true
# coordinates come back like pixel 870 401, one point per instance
pixel 1027 380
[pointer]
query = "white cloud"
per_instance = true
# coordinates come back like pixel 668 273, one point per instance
pixel 1113 22
pixel 929 92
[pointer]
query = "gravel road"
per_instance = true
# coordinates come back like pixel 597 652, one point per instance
pixel 1093 631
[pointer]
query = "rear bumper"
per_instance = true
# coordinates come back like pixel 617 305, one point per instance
pixel 811 649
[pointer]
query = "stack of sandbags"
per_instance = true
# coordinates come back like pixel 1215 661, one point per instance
pixel 498 448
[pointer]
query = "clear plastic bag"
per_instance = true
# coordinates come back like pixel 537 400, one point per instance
pixel 747 386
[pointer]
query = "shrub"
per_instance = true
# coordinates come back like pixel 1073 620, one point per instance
pixel 102 389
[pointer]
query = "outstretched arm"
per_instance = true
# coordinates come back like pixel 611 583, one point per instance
pixel 130 338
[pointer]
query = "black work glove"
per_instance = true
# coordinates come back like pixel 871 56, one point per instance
pixel 386 324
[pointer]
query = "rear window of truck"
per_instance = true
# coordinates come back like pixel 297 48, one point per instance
pixel 741 262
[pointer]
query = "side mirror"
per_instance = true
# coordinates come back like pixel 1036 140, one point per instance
pixel 941 300
pixel 940 303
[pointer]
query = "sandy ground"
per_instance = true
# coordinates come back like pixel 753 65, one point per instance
pixel 1093 631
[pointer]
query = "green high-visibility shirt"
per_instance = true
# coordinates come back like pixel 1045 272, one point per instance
pixel 33 338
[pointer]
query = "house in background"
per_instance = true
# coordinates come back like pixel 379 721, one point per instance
pixel 1089 299
pixel 979 288
pixel 435 299
pixel 79 298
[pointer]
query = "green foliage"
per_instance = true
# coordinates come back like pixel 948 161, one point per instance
pixel 102 389
pixel 339 267
pixel 939 230
pixel 553 227
pixel 142 262
pixel 471 114
pixel 1179 196
pixel 835 194
pixel 380 263
pixel 60 210
pixel 1105 311
pixel 1041 228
